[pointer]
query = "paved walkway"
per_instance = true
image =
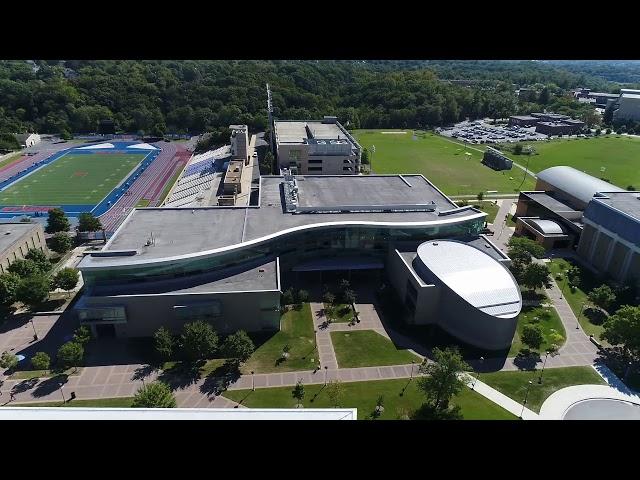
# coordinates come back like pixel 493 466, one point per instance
pixel 323 338
pixel 501 399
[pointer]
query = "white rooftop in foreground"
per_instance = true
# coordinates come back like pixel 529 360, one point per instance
pixel 72 413
pixel 591 402
pixel 475 276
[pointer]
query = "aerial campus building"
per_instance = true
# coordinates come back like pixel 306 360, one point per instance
pixel 571 209
pixel 16 239
pixel 168 266
pixel 316 147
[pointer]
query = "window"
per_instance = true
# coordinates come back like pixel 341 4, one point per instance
pixel 102 314
pixel 315 169
pixel 205 311
pixel 315 161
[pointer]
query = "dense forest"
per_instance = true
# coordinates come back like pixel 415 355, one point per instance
pixel 158 97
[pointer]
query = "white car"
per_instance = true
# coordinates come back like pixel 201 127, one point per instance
pixel 254 154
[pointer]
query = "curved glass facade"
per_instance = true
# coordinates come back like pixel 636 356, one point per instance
pixel 292 248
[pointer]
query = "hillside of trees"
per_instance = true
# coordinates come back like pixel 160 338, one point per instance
pixel 157 97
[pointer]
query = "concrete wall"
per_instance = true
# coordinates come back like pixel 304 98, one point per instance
pixel 32 239
pixel 329 165
pixel 250 311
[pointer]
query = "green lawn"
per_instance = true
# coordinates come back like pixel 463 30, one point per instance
pixel 577 298
pixel 339 312
pixel 620 157
pixel 296 330
pixel 490 208
pixel 444 163
pixel 73 179
pixel 364 395
pixel 510 221
pixel 514 384
pixel 208 367
pixel 119 402
pixel 367 348
pixel 547 319
pixel 142 203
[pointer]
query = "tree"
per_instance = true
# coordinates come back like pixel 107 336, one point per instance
pixel 41 361
pixel 60 243
pixel 532 247
pixel 154 395
pixel 536 275
pixel 8 285
pixel 335 391
pixel 364 158
pixel 602 297
pixel 517 150
pixel 349 296
pixel 82 335
pixel 163 343
pixel 532 336
pixel 344 284
pixel 442 380
pixel 480 196
pixel 328 298
pixel 57 221
pixel 285 351
pixel 574 276
pixel 238 346
pixel 303 296
pixel 8 360
pixel 287 297
pixel 66 279
pixel 87 222
pixel 608 131
pixel 623 328
pixel 24 268
pixel 70 354
pixel 199 340
pixel 298 392
pixel 33 290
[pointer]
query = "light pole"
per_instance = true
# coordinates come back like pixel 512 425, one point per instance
pixel 563 287
pixel 35 333
pixel 412 364
pixel 543 364
pixel 628 371
pixel 62 393
pixel 325 375
pixel 581 312
pixel 526 395
pixel 478 375
pixel 253 383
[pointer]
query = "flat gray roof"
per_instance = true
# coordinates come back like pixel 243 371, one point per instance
pixel 256 276
pixel 626 202
pixel 549 202
pixel 11 233
pixel 179 231
pixel 291 131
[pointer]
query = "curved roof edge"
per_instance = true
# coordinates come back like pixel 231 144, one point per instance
pixel 85 263
pixel 578 184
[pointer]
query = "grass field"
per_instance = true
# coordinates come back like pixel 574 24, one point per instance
pixel 363 396
pixel 620 157
pixel 514 384
pixel 74 179
pixel 444 163
pixel 367 348
pixel 548 320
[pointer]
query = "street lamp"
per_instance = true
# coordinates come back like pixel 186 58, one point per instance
pixel 543 364
pixel 563 287
pixel 626 374
pixel 62 393
pixel 35 333
pixel 478 375
pixel 412 364
pixel 253 383
pixel 581 312
pixel 526 395
pixel 325 375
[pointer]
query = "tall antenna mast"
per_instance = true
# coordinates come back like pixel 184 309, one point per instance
pixel 270 115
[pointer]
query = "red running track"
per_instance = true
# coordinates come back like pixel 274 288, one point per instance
pixel 148 184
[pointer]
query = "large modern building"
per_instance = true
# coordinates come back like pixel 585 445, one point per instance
pixel 316 147
pixel 16 239
pixel 552 214
pixel 610 240
pixel 551 124
pixel 573 209
pixel 627 106
pixel 167 266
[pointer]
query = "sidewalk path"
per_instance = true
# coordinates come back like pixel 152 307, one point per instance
pixel 501 399
pixel 323 338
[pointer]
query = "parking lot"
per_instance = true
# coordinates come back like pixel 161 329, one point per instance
pixel 481 132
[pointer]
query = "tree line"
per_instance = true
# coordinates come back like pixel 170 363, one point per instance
pixel 157 97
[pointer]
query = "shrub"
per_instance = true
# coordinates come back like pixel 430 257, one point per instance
pixel 41 361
